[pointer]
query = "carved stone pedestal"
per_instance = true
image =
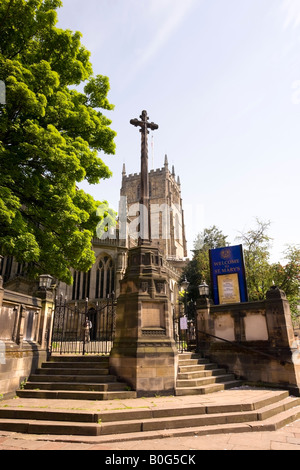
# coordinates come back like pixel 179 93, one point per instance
pixel 144 352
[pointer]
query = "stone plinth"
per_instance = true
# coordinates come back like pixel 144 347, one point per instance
pixel 144 352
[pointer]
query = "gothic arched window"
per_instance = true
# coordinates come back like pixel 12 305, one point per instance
pixel 105 282
pixel 81 285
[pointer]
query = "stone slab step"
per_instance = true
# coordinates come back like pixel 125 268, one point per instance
pixel 197 368
pixel 271 424
pixel 194 410
pixel 48 415
pixel 205 380
pixel 67 371
pixel 79 358
pixel 74 365
pixel 192 362
pixel 200 374
pixel 50 427
pixel 72 378
pixel 93 387
pixel 211 388
pixel 264 416
pixel 190 355
pixel 273 401
pixel 75 395
pixel 201 420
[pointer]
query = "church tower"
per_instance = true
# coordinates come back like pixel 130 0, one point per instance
pixel 167 215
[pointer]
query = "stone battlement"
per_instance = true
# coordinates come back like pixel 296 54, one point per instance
pixel 158 171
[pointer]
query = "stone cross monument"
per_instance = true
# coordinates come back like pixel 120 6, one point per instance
pixel 145 215
pixel 144 352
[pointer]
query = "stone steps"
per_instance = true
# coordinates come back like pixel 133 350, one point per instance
pixel 205 380
pixel 55 358
pixel 75 378
pixel 76 395
pixel 90 387
pixel 74 365
pixel 197 375
pixel 260 415
pixel 202 373
pixel 71 378
pixel 49 427
pixel 88 378
pixel 66 371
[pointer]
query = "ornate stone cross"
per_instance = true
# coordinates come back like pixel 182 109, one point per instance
pixel 144 201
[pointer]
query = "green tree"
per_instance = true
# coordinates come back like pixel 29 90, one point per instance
pixel 50 138
pixel 210 239
pixel 260 272
pixel 256 244
pixel 287 277
pixel 198 269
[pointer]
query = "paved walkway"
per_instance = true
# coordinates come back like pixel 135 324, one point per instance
pixel 286 438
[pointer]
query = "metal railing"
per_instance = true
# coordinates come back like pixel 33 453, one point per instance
pixel 83 331
pixel 246 348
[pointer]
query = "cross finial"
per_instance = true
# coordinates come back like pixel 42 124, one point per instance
pixel 144 124
pixel 144 202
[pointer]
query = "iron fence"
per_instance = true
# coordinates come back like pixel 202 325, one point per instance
pixel 83 330
pixel 185 334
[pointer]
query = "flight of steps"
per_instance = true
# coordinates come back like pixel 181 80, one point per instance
pixel 88 378
pixel 265 414
pixel 199 376
pixel 75 378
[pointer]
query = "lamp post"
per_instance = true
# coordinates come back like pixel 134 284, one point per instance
pixel 202 315
pixel 183 323
pixel 203 290
pixel 185 285
pixel 46 294
pixel 45 281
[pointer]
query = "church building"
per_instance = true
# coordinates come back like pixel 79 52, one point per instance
pixel 111 248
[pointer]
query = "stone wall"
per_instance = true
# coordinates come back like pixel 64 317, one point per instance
pixel 25 323
pixel 254 340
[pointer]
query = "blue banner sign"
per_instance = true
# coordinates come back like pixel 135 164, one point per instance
pixel 228 277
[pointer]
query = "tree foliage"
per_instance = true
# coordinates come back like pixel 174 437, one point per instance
pixel 287 277
pixel 50 138
pixel 256 245
pixel 198 269
pixel 261 273
pixel 210 239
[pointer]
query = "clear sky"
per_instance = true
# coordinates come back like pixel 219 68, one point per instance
pixel 221 78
